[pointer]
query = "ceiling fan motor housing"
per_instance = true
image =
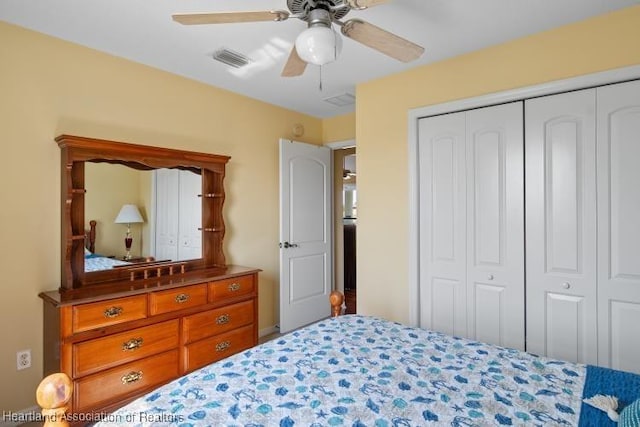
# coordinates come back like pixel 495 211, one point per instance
pixel 302 8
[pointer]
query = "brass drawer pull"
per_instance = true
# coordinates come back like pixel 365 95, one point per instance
pixel 223 319
pixel 182 298
pixel 131 377
pixel 112 312
pixel 132 344
pixel 234 287
pixel 223 345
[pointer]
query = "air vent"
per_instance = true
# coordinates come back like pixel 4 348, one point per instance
pixel 341 100
pixel 231 58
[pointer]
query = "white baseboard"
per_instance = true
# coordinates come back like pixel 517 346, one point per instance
pixel 16 418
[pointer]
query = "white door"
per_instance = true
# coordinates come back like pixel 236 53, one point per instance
pixel 189 216
pixel 471 224
pixel 560 203
pixel 305 234
pixel 441 156
pixel 166 214
pixel 619 225
pixel 495 225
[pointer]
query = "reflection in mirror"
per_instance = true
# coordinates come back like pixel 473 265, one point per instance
pixel 349 188
pixel 170 206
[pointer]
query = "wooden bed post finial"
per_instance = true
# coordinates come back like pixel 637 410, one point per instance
pixel 336 299
pixel 53 394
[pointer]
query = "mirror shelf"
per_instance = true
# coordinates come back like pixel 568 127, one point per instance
pixel 76 151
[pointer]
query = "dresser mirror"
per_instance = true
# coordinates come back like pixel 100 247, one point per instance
pixel 168 226
pixel 89 183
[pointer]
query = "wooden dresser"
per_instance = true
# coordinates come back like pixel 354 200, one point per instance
pixel 120 340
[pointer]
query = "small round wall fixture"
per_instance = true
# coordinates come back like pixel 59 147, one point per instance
pixel 297 130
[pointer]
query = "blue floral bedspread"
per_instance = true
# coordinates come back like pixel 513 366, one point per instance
pixel 98 262
pixel 364 371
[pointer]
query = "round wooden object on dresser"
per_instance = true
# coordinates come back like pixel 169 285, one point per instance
pixel 53 394
pixel 336 299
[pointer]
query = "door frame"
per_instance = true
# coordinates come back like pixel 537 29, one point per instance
pixel 336 145
pixel 574 83
pixel 338 265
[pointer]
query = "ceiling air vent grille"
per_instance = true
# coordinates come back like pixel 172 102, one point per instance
pixel 231 58
pixel 341 100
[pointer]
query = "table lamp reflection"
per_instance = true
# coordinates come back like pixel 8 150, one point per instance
pixel 129 214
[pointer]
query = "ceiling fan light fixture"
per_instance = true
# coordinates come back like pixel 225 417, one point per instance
pixel 319 44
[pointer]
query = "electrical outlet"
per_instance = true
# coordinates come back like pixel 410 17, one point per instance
pixel 23 359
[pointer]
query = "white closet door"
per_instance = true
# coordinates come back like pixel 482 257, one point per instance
pixel 560 184
pixel 442 206
pixel 619 225
pixel 495 225
pixel 190 216
pixel 166 214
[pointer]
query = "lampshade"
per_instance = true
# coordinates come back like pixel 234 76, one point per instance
pixel 129 214
pixel 318 45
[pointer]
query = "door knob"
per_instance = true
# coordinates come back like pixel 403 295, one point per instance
pixel 288 245
pixel 566 285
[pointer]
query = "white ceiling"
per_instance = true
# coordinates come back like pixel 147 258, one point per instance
pixel 143 31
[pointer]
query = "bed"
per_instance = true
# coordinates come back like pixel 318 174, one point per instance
pixel 357 370
pixel 93 261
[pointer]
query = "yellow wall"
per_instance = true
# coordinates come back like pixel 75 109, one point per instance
pixel 108 188
pixel 605 42
pixel 49 87
pixel 339 128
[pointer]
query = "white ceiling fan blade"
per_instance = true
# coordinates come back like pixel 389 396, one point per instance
pixel 230 17
pixel 381 40
pixel 295 66
pixel 364 4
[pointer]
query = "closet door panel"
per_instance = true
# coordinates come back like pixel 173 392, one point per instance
pixel 619 225
pixel 166 213
pixel 621 338
pixel 564 320
pixel 495 224
pixel 488 314
pixel 445 315
pixel 190 216
pixel 560 181
pixel 441 149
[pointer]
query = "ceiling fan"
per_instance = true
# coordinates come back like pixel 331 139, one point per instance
pixel 319 43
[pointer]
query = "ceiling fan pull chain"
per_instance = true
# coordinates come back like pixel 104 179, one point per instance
pixel 320 66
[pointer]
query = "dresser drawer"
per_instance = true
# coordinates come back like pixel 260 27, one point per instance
pixel 212 322
pixel 109 386
pixel 177 299
pixel 228 288
pixel 110 312
pixel 102 353
pixel 209 350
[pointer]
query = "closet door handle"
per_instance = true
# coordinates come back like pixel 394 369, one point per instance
pixel 566 285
